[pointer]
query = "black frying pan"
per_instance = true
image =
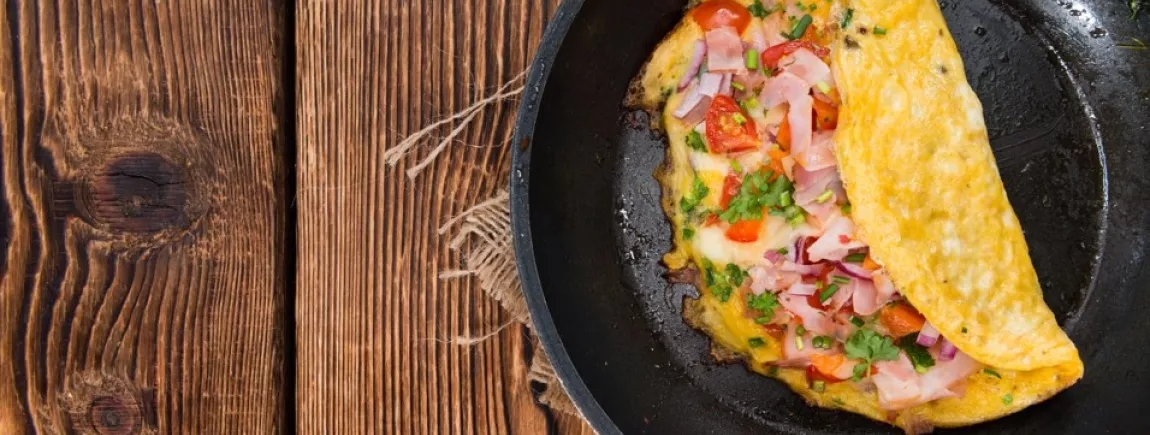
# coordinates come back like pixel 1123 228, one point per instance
pixel 1066 109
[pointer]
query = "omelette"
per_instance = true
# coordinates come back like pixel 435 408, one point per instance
pixel 831 185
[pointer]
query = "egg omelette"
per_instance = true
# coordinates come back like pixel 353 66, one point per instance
pixel 830 179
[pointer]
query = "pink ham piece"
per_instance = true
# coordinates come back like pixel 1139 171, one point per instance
pixel 800 119
pixel 725 85
pixel 758 40
pixel 793 355
pixel 783 88
pixel 710 84
pixel 813 319
pixel 897 383
pixel 820 154
pixel 866 298
pixel 693 107
pixel 844 294
pixel 810 184
pixel 725 50
pixel 770 278
pixel 807 66
pixel 836 242
pixel 773 27
pixel 947 378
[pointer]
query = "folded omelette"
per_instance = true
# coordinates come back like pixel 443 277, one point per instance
pixel 830 180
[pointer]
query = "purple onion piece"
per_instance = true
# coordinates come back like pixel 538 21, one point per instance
pixel 927 336
pixel 947 351
pixel 694 65
pixel 854 270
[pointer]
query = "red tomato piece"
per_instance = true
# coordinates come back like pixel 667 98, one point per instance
pixel 714 14
pixel 745 231
pixel 783 138
pixel 826 115
pixel 820 363
pixel 771 56
pixel 731 187
pixel 729 130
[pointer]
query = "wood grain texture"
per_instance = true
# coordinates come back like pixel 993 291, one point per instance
pixel 374 323
pixel 142 215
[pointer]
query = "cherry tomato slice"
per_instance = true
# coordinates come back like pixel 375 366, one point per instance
pixel 901 319
pixel 729 130
pixel 731 187
pixel 814 374
pixel 826 115
pixel 746 231
pixel 771 56
pixel 714 14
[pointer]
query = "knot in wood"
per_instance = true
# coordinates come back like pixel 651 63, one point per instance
pixel 111 416
pixel 138 192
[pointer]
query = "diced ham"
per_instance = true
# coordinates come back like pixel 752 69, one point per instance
pixel 773 27
pixel 837 240
pixel 724 50
pixel 710 83
pixel 813 319
pixel 793 355
pixel 820 154
pixel 783 88
pixel 844 294
pixel 884 288
pixel 771 278
pixel 897 383
pixel 807 66
pixel 866 300
pixel 810 184
pixel 804 269
pixel 725 85
pixel 758 40
pixel 693 108
pixel 947 378
pixel 800 119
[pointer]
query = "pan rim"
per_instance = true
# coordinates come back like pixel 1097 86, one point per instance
pixel 522 136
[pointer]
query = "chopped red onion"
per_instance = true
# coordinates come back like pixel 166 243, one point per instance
pixel 694 65
pixel 927 336
pixel 800 251
pixel 947 350
pixel 853 270
pixel 773 256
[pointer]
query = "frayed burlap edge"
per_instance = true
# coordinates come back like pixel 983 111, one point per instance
pixel 483 237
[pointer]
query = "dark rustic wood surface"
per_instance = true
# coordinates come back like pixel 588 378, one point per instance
pixel 374 323
pixel 153 256
pixel 142 217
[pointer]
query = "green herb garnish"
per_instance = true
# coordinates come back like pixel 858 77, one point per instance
pixel 800 330
pixel 857 321
pixel 818 386
pixel 756 342
pixel 839 279
pixel 773 371
pixel 751 58
pixel 857 257
pixel 879 30
pixel 822 342
pixel 756 193
pixel 695 141
pixel 783 251
pixel 918 355
pixel 847 17
pixel 699 191
pixel 828 292
pixel 993 373
pixel 869 346
pixel 723 282
pixel 800 27
pixel 1134 44
pixel 764 303
pixel 688 233
pixel 1007 399
pixel 757 9
pixel 1135 6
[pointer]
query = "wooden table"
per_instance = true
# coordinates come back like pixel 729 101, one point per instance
pixel 200 235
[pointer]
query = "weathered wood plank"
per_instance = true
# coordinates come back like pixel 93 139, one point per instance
pixel 375 324
pixel 142 214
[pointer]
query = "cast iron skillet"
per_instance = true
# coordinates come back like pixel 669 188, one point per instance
pixel 1065 107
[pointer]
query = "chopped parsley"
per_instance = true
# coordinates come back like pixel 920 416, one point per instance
pixel 847 208
pixel 739 118
pixel 764 303
pixel 822 342
pixel 800 27
pixel 688 233
pixel 698 192
pixel 723 282
pixel 758 10
pixel 1007 399
pixel 800 330
pixel 756 193
pixel 847 17
pixel 879 30
pixel 695 141
pixel 756 342
pixel 918 355
pixel 818 386
pixel 855 258
pixel 783 251
pixel 774 370
pixel 857 321
pixel 828 292
pixel 993 373
pixel 963 329
pixel 839 401
pixel 869 346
